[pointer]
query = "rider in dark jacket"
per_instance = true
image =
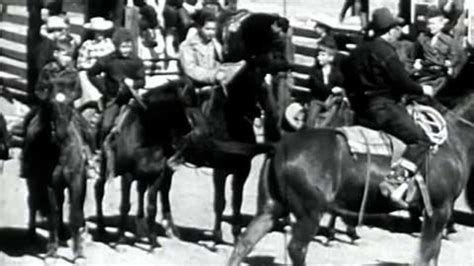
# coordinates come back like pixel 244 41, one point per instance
pixel 377 80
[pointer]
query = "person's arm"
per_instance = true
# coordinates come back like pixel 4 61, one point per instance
pixel 94 71
pixel 458 57
pixel 192 69
pixel 398 76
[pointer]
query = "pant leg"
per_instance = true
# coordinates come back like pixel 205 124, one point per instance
pixel 395 120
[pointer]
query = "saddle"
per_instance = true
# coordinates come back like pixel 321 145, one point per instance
pixel 362 140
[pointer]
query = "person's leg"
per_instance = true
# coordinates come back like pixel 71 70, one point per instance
pixel 345 7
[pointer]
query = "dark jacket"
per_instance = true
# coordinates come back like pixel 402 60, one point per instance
pixel 374 70
pixel 116 68
pixel 319 89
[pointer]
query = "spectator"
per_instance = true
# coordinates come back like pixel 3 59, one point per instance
pixel 441 56
pixel 147 23
pixel 55 29
pixel 324 35
pixel 98 47
pixel 326 81
pixel 360 7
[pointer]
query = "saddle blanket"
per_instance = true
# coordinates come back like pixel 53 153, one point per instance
pixel 362 140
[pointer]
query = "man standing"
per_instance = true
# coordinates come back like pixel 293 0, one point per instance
pixel 377 80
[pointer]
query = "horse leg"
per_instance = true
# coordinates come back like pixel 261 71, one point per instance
pixel 168 223
pixel 303 231
pixel 99 196
pixel 151 213
pixel 431 235
pixel 62 229
pixel 33 202
pixel 219 178
pixel 238 182
pixel 256 230
pixel 124 206
pixel 53 222
pixel 77 194
pixel 331 228
pixel 141 188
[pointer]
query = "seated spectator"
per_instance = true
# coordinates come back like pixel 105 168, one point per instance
pixel 122 71
pixel 99 46
pixel 147 23
pixel 89 52
pixel 55 29
pixel 441 57
pixel 326 81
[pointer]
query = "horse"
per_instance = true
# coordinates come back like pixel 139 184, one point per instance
pixel 306 182
pixel 139 152
pixel 53 159
pixel 229 145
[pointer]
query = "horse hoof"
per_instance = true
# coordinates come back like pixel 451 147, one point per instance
pixel 80 261
pixel 451 230
pixel 50 260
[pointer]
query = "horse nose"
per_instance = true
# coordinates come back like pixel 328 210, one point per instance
pixel 60 97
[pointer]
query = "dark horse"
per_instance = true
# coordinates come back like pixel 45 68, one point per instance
pixel 306 181
pixel 140 150
pixel 54 159
pixel 228 146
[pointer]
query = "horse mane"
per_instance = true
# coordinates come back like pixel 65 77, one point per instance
pixel 165 113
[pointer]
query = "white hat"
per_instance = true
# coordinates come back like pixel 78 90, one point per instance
pixel 56 22
pixel 291 113
pixel 99 24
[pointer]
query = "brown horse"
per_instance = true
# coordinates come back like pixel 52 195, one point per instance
pixel 306 182
pixel 54 160
pixel 139 152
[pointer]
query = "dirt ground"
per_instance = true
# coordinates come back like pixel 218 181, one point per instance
pixel 191 199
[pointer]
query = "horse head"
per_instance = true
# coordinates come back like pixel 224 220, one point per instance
pixel 59 103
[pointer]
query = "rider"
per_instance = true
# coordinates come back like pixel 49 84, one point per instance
pixel 201 54
pixel 123 71
pixel 377 80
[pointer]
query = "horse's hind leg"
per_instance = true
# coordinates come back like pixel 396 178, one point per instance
pixel 303 231
pixel 258 228
pixel 431 235
pixel 33 202
pixel 238 182
pixel 151 213
pixel 99 196
pixel 168 223
pixel 219 178
pixel 124 206
pixel 77 194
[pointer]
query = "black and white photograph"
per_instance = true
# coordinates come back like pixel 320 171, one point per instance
pixel 236 132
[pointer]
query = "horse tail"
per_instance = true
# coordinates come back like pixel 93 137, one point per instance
pixel 470 190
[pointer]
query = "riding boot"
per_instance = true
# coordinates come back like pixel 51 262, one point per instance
pixel 396 183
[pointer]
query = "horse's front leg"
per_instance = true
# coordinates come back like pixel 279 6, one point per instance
pixel 124 206
pixel 431 235
pixel 238 182
pixel 99 195
pixel 77 194
pixel 53 223
pixel 219 178
pixel 167 220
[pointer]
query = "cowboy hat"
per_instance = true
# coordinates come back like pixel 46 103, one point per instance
pixel 56 22
pixel 383 20
pixel 99 24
